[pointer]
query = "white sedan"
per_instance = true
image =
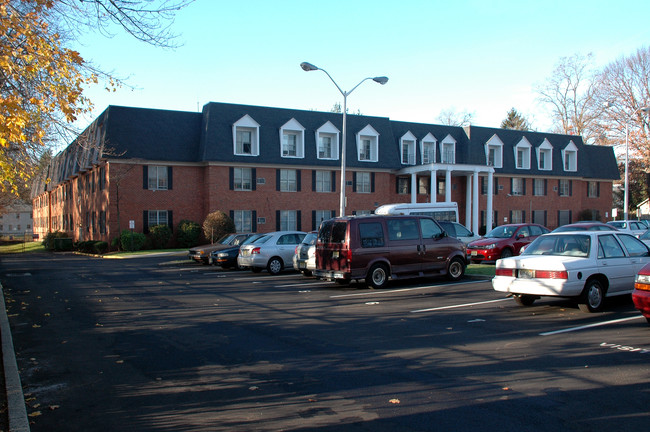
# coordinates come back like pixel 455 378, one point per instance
pixel 586 265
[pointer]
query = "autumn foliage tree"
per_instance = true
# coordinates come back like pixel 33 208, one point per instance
pixel 42 81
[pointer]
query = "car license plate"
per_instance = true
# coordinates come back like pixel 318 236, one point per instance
pixel 526 274
pixel 474 253
pixel 302 265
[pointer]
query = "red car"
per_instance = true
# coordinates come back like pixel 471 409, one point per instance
pixel 641 293
pixel 503 241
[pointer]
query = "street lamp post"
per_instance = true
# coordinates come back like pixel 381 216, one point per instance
pixel 626 190
pixel 307 67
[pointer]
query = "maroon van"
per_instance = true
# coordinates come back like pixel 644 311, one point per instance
pixel 376 247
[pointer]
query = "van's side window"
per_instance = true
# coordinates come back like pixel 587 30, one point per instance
pixel 372 234
pixel 430 229
pixel 403 229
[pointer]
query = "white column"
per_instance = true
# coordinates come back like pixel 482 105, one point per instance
pixel 448 185
pixel 434 185
pixel 414 188
pixel 489 211
pixel 475 203
pixel 468 203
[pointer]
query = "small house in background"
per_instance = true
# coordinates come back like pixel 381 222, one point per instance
pixel 16 221
pixel 643 209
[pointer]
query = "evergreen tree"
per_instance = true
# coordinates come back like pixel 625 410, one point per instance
pixel 515 121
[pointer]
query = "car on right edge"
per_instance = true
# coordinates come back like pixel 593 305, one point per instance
pixel 586 266
pixel 641 293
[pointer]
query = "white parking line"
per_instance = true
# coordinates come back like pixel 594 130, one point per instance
pixel 459 306
pixel 377 292
pixel 571 329
pixel 298 284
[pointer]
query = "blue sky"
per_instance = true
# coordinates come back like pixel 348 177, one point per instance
pixel 483 57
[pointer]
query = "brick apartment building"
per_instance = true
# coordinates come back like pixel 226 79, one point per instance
pixel 272 168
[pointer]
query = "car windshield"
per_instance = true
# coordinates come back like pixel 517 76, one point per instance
pixel 645 235
pixel 502 232
pixel 227 239
pixel 262 240
pixel 575 245
pixel 310 239
pixel 251 239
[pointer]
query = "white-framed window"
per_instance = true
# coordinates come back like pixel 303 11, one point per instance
pixel 407 146
pixel 157 217
pixel 158 177
pixel 327 141
pixel 545 156
pixel 564 187
pixel 570 157
pixel 517 186
pixel 448 150
pixel 423 185
pixel 292 137
pixel 363 182
pixel 323 181
pixel 522 154
pixel 593 189
pixel 517 216
pixel 288 180
pixel 428 149
pixel 539 187
pixel 494 152
pixel 368 145
pixel 243 179
pixel 245 132
pixel 563 217
pixel 288 220
pixel 243 220
pixel 403 185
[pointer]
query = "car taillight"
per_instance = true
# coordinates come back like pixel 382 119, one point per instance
pixel 295 251
pixel 642 282
pixel 255 251
pixel 504 272
pixel 551 274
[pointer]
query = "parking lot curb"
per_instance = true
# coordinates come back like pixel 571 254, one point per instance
pixel 18 421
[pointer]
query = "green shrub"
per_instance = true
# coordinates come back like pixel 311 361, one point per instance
pixel 132 241
pixel 159 235
pixel 48 240
pixel 187 233
pixel 100 247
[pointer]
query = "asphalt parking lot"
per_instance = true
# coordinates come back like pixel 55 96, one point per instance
pixel 154 344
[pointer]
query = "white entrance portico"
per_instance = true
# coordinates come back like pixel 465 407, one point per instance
pixel 472 173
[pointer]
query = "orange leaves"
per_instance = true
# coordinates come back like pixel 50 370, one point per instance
pixel 42 82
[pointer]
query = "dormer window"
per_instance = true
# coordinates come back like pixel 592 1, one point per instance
pixel 327 142
pixel 545 156
pixel 407 145
pixel 448 150
pixel 570 157
pixel 428 149
pixel 522 154
pixel 368 145
pixel 246 137
pixel 292 136
pixel 494 152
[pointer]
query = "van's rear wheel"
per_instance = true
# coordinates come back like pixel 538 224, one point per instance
pixel 377 276
pixel 456 269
